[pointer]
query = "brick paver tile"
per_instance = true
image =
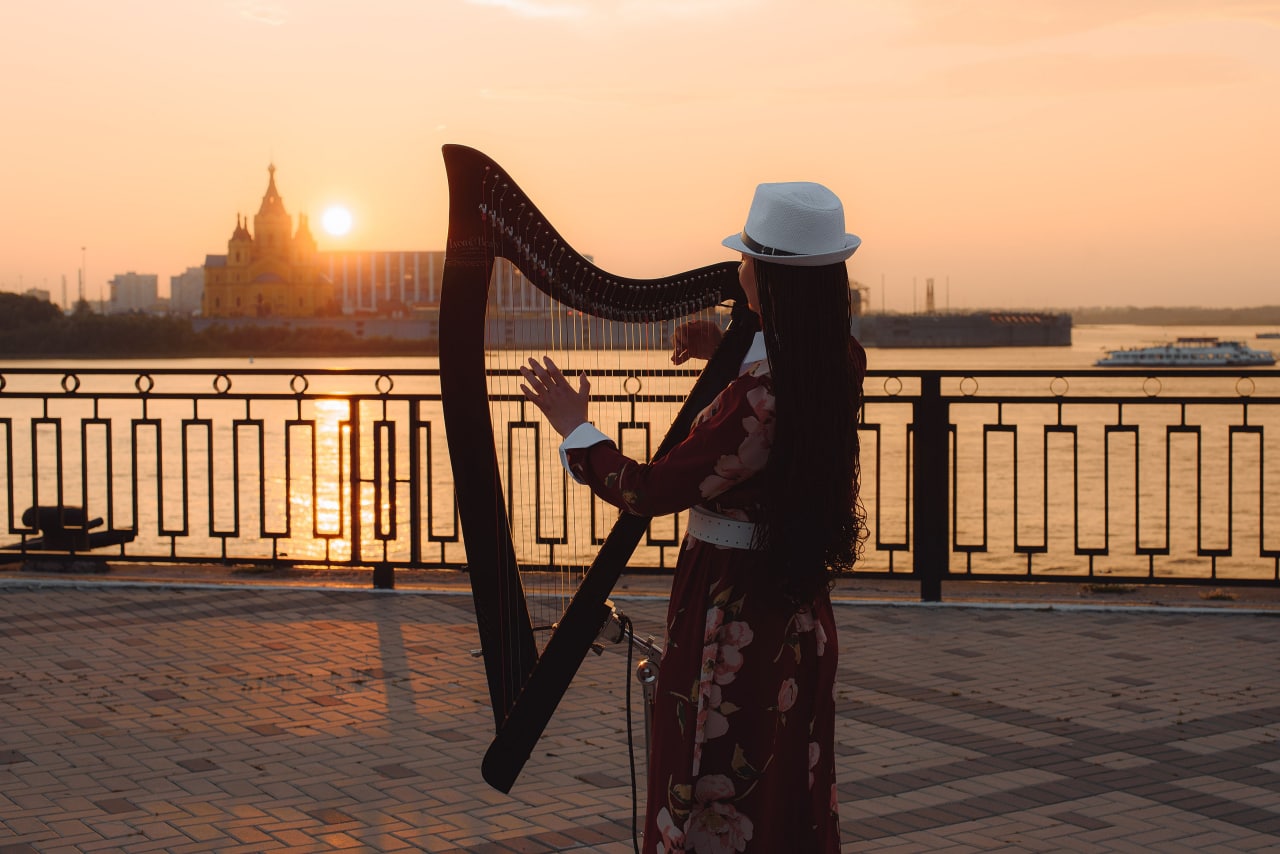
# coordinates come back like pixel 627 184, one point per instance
pixel 185 719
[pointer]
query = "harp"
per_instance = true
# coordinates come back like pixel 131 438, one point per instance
pixel 490 218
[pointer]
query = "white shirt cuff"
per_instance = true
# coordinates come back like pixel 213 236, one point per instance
pixel 583 436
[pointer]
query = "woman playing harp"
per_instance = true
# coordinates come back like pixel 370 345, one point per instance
pixel 744 719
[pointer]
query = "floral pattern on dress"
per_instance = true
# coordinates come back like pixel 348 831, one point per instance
pixel 715 825
pixel 753 452
pixel 722 645
pixel 724 800
pixel 743 724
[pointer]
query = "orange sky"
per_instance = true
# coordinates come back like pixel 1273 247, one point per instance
pixel 1033 153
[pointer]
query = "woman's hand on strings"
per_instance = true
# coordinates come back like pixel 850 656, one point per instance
pixel 696 339
pixel 546 388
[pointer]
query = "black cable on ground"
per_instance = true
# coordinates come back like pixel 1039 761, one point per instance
pixel 628 635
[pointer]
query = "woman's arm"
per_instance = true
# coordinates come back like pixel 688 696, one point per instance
pixel 729 443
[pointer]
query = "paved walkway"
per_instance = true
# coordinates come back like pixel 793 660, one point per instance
pixel 187 718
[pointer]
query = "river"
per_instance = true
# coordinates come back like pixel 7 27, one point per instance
pixel 1024 485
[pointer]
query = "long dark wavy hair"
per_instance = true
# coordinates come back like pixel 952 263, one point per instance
pixel 814 524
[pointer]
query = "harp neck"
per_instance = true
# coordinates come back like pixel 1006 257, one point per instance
pixel 491 217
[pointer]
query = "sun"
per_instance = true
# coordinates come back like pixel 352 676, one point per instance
pixel 337 220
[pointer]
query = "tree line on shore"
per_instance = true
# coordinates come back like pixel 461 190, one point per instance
pixel 35 329
pixel 1267 315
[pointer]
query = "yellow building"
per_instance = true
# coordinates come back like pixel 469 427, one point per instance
pixel 271 272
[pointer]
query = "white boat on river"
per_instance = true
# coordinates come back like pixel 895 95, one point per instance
pixel 1189 353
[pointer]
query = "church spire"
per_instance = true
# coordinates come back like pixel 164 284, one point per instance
pixel 271 201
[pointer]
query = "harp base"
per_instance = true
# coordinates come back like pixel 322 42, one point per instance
pixel 513 745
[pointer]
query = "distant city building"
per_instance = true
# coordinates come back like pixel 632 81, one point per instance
pixel 268 273
pixel 186 291
pixel 383 282
pixel 130 292
pixel 271 272
pixel 38 293
pixel 392 283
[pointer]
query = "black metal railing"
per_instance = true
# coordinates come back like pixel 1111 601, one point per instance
pixel 1108 475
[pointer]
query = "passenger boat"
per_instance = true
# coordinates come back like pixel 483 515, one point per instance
pixel 1189 353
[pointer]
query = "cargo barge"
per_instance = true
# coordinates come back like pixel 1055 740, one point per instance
pixel 973 329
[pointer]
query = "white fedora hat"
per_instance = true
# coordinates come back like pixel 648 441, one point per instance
pixel 797 223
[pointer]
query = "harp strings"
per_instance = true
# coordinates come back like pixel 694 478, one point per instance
pixel 523 321
pixel 602 325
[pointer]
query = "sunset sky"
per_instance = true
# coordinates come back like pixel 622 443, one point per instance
pixel 1030 153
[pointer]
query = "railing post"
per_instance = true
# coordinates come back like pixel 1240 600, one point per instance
pixel 930 544
pixel 353 483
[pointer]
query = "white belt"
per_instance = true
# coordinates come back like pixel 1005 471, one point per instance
pixel 720 530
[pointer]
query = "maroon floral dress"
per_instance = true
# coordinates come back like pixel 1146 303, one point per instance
pixel 744 724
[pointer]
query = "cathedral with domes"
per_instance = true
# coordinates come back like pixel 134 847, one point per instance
pixel 272 271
